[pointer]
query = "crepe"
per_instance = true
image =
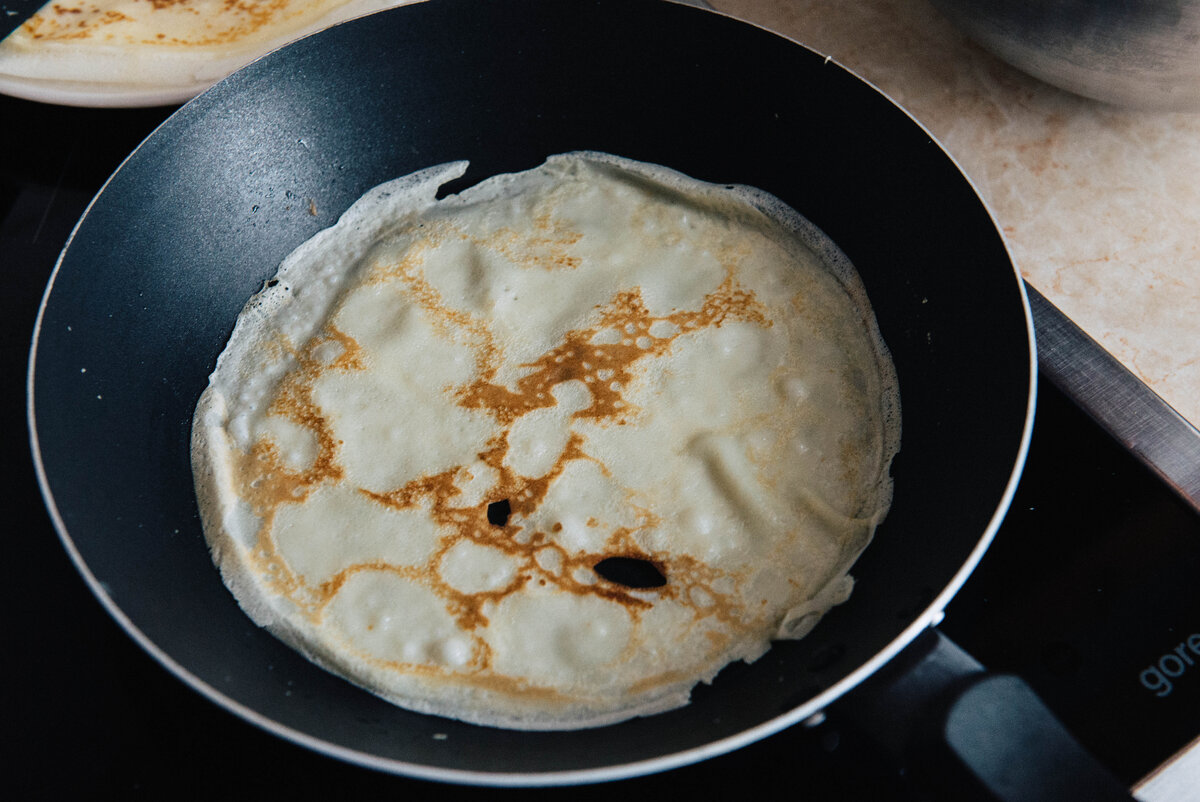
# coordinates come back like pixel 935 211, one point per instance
pixel 547 453
pixel 90 50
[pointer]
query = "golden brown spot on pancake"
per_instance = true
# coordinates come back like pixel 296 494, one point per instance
pixel 453 324
pixel 216 24
pixel 267 482
pixel 658 680
pixel 524 494
pixel 604 367
pixel 500 683
pixel 477 676
pixel 440 487
pixel 325 591
pixel 548 247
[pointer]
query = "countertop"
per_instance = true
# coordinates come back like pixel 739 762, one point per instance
pixel 1100 206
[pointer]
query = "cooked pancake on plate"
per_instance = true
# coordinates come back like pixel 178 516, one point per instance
pixel 113 52
pixel 549 452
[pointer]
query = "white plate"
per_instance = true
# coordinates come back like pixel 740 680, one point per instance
pixel 98 95
pixel 180 85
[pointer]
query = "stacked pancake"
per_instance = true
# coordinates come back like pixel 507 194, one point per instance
pixel 547 453
pixel 116 52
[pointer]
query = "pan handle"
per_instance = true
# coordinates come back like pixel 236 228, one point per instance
pixel 971 733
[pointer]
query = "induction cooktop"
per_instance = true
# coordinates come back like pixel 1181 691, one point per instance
pixel 1087 592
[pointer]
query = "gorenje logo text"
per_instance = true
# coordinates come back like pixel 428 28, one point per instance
pixel 1159 675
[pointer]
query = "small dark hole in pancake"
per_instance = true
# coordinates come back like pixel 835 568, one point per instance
pixel 631 572
pixel 271 282
pixel 498 512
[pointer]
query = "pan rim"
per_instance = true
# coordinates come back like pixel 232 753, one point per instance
pixel 930 616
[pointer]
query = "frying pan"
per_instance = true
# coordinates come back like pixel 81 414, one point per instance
pixel 146 292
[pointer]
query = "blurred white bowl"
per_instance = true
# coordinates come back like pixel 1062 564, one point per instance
pixel 1142 54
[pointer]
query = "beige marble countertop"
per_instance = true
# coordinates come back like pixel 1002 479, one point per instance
pixel 1100 206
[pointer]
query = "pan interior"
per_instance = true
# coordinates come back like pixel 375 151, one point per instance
pixel 146 293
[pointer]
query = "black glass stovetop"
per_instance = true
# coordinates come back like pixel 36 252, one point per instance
pixel 1087 592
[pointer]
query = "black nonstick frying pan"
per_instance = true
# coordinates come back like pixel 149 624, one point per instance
pixel 147 290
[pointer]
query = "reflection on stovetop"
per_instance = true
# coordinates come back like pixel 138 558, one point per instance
pixel 1085 592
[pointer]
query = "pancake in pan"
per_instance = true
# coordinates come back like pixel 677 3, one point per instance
pixel 549 452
